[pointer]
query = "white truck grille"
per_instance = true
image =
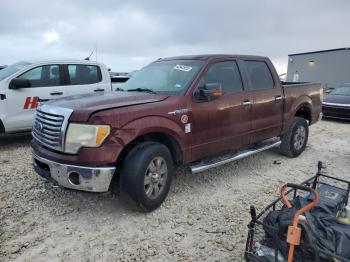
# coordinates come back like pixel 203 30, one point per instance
pixel 49 126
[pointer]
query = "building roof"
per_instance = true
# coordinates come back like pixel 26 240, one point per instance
pixel 321 51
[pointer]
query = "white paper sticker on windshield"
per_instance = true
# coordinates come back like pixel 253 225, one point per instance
pixel 183 68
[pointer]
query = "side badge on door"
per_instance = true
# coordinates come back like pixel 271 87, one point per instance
pixel 184 119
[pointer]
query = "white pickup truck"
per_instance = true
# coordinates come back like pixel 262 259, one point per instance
pixel 24 84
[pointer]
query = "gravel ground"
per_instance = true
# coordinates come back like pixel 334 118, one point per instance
pixel 203 218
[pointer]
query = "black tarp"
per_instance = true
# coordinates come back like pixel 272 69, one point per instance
pixel 323 236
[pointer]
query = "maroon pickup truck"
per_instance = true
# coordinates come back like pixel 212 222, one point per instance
pixel 202 111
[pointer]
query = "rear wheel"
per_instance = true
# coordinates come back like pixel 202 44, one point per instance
pixel 146 175
pixel 295 140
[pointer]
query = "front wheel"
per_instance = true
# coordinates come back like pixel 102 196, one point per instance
pixel 295 140
pixel 146 175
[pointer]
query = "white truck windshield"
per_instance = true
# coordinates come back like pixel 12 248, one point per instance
pixel 10 70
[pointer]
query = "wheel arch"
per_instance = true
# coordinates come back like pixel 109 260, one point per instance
pixel 304 111
pixel 160 137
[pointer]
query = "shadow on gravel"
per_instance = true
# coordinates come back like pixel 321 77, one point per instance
pixel 334 120
pixel 61 200
pixel 15 139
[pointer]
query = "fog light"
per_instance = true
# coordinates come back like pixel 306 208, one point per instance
pixel 74 178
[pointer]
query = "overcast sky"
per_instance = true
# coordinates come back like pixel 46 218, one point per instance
pixel 130 34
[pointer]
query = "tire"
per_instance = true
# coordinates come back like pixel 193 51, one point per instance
pixel 295 140
pixel 148 167
pixel 2 128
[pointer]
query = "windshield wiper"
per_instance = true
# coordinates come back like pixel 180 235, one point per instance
pixel 119 89
pixel 141 89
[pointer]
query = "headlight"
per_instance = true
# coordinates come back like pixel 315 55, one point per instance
pixel 80 135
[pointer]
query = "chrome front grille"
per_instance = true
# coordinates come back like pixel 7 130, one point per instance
pixel 49 126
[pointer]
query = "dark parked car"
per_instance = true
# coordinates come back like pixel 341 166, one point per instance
pixel 336 104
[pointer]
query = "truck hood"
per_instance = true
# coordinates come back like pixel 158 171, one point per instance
pixel 85 105
pixel 336 99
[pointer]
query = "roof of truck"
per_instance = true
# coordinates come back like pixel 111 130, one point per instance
pixel 206 57
pixel 63 61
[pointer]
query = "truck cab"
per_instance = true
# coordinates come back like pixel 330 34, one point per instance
pixel 24 84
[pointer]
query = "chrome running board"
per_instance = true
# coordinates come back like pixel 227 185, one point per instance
pixel 205 165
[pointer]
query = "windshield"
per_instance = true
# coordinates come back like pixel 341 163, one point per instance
pixel 10 70
pixel 343 90
pixel 169 77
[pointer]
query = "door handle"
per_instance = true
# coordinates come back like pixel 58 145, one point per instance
pixel 246 103
pixel 99 90
pixel 278 99
pixel 56 93
pixel 42 100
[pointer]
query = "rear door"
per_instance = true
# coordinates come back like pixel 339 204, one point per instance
pixel 85 79
pixel 46 84
pixel 266 97
pixel 221 124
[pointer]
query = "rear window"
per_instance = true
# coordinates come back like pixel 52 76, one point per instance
pixel 84 74
pixel 260 75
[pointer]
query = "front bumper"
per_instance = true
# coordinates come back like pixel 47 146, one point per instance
pixel 337 111
pixel 93 179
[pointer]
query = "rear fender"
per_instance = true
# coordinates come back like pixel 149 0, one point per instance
pixel 292 109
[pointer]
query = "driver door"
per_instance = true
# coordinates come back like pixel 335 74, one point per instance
pixel 45 84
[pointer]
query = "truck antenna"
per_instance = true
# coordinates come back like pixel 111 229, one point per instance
pixel 88 58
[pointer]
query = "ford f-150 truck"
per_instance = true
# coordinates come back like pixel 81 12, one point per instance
pixel 24 84
pixel 202 111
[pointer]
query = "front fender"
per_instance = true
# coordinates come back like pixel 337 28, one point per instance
pixel 154 124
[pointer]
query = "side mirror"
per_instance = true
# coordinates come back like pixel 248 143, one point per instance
pixel 18 83
pixel 209 92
